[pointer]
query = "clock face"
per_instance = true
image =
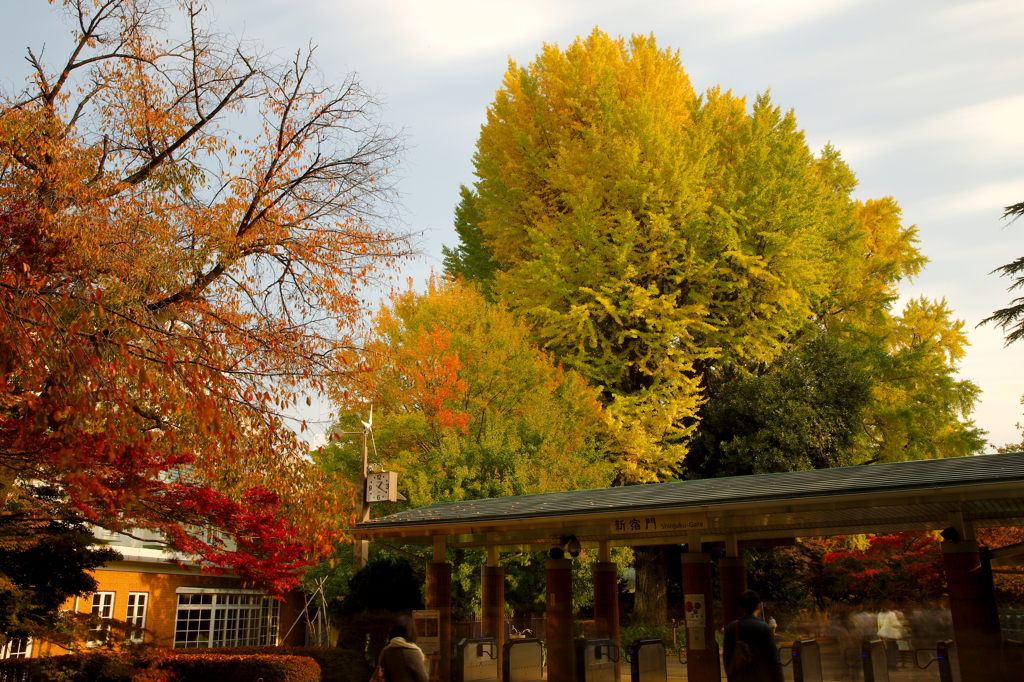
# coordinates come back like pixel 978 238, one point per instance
pixel 380 487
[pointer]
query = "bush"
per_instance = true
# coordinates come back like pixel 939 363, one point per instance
pixel 336 665
pixel 202 667
pixel 630 634
pixel 94 666
pixel 314 664
pixel 13 669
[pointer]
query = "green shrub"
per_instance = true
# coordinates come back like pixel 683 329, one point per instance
pixel 630 634
pixel 203 667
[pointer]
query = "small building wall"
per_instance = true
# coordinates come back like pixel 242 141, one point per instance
pixel 161 582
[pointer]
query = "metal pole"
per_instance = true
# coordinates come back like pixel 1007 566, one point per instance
pixel 361 553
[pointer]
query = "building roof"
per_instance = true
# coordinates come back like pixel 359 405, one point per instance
pixel 986 489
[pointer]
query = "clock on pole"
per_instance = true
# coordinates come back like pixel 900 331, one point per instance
pixel 382 487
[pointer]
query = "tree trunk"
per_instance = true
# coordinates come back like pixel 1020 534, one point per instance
pixel 651 605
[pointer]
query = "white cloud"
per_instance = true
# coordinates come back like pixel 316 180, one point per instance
pixel 738 19
pixel 979 132
pixel 993 126
pixel 994 19
pixel 986 199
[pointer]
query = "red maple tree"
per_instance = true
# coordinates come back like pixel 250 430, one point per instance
pixel 170 292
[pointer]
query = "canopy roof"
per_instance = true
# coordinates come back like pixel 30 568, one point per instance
pixel 881 498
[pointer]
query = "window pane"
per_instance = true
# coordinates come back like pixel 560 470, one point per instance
pixel 225 620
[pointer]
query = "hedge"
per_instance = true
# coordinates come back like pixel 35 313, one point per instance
pixel 273 664
pixel 92 666
pixel 336 665
pixel 203 667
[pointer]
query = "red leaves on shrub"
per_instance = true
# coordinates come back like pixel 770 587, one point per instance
pixel 196 667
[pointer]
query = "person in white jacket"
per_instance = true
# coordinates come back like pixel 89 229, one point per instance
pixel 890 631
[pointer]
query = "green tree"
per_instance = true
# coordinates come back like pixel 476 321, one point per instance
pixel 43 561
pixel 649 234
pixel 918 407
pixel 465 406
pixel 1011 318
pixel 803 413
pixel 660 241
pixel 471 260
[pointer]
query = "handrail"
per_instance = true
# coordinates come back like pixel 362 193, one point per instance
pixel 917 663
pixel 789 659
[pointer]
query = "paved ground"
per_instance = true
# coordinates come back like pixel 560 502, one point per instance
pixel 833 669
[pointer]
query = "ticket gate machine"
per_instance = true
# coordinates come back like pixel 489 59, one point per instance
pixel 595 660
pixel 872 656
pixel 806 661
pixel 949 662
pixel 647 662
pixel 476 660
pixel 523 660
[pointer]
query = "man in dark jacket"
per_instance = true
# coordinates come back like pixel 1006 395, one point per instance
pixel 758 660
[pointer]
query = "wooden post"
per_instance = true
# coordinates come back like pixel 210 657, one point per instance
pixel 701 648
pixel 439 596
pixel 492 585
pixel 606 603
pixel 732 572
pixel 561 650
pixel 973 607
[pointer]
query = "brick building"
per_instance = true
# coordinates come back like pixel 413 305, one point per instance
pixel 176 605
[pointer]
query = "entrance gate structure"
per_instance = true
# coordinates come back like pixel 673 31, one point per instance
pixel 953 495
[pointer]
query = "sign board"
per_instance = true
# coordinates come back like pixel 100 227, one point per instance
pixel 428 628
pixel 659 523
pixel 382 487
pixel 695 639
pixel 696 610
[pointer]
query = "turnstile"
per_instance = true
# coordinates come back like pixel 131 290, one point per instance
pixel 523 660
pixel 476 660
pixel 647 662
pixel 949 662
pixel 595 660
pixel 806 661
pixel 872 656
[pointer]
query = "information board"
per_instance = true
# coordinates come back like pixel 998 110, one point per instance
pixel 696 611
pixel 428 628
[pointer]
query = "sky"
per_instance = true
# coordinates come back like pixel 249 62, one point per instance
pixel 925 100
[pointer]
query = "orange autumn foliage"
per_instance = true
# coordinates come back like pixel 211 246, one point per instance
pixel 465 406
pixel 185 228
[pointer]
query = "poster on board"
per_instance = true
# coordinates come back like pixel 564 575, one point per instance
pixel 696 613
pixel 428 628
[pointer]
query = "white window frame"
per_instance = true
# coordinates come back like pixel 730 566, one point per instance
pixel 23 650
pixel 212 618
pixel 136 611
pixel 104 610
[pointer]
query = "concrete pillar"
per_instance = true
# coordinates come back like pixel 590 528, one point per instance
pixel 439 596
pixel 973 607
pixel 561 651
pixel 606 603
pixel 701 648
pixel 732 573
pixel 493 599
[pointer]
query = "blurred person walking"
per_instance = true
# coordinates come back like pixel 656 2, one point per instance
pixel 890 631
